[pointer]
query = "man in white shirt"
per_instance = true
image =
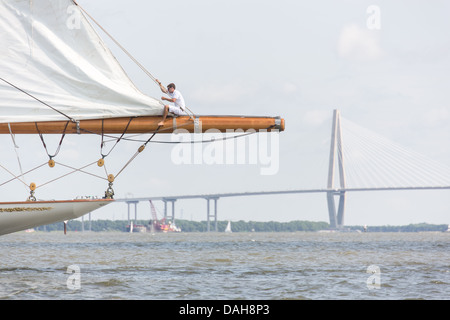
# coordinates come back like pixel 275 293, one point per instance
pixel 175 97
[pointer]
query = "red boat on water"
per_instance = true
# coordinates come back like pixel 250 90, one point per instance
pixel 169 227
pixel 154 225
pixel 157 225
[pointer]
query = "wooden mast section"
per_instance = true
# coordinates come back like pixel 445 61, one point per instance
pixel 144 124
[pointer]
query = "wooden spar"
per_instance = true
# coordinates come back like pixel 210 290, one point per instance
pixel 145 125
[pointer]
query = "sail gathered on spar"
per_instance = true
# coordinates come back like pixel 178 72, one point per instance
pixel 50 51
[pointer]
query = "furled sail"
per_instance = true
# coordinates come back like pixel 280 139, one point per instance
pixel 50 50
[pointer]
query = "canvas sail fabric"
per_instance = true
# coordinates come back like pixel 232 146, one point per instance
pixel 50 50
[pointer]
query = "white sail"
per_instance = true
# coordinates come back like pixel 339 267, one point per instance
pixel 49 49
pixel 228 228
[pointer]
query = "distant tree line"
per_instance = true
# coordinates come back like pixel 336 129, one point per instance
pixel 237 226
pixel 252 226
pixel 418 227
pixel 191 226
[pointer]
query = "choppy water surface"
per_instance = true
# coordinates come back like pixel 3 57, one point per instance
pixel 297 265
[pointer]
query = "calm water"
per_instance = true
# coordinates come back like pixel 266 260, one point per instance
pixel 225 266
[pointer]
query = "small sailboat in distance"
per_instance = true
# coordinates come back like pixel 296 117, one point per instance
pixel 228 228
pixel 57 76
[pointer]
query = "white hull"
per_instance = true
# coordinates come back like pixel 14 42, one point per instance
pixel 17 216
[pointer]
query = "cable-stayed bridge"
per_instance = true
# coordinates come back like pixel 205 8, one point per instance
pixel 359 160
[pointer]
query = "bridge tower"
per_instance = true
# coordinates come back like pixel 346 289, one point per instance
pixel 336 155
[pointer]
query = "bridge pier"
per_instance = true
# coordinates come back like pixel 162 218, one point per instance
pixel 166 216
pixel 331 210
pixel 336 216
pixel 341 209
pixel 208 214
pixel 135 211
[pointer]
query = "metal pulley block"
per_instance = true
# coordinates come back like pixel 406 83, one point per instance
pixel 109 193
pixel 32 189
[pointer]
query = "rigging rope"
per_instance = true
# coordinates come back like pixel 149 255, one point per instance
pixel 181 142
pixel 73 171
pixel 15 177
pixel 41 136
pixel 192 115
pixel 45 104
pixel 15 149
pixel 141 148
pixel 117 43
pixel 118 140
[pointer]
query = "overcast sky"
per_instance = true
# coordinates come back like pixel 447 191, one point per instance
pixel 384 64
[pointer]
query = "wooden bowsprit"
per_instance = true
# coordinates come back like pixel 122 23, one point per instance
pixel 144 124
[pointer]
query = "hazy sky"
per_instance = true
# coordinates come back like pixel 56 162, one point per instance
pixel 384 64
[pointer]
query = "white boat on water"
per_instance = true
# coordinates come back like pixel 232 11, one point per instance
pixel 228 228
